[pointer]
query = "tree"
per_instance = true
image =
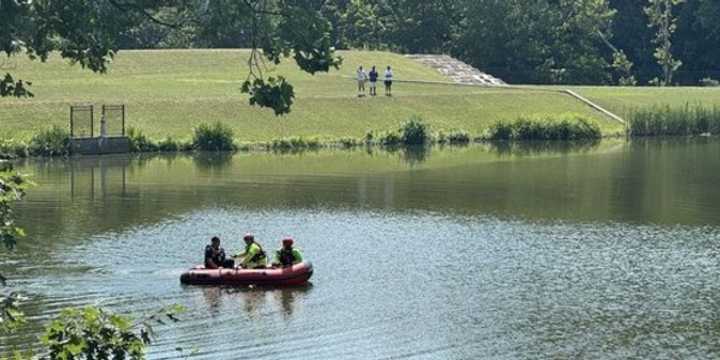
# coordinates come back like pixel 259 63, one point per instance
pixel 539 41
pixel 660 17
pixel 88 32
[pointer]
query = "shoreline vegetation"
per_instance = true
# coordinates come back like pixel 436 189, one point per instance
pixel 659 121
pixel 413 132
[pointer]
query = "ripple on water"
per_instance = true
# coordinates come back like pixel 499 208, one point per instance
pixel 413 285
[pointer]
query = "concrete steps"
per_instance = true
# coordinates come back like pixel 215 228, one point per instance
pixel 457 70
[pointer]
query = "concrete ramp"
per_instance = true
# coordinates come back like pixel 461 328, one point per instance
pixel 456 70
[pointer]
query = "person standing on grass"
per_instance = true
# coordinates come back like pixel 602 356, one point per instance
pixel 388 81
pixel 361 78
pixel 373 81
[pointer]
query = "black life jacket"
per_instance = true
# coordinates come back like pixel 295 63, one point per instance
pixel 260 255
pixel 286 257
pixel 217 256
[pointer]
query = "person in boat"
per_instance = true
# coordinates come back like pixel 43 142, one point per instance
pixel 253 257
pixel 287 255
pixel 215 256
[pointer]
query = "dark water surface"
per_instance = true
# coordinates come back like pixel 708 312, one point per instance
pixel 603 251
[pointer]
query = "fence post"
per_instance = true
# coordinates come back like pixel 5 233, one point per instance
pixel 92 121
pixel 72 125
pixel 123 120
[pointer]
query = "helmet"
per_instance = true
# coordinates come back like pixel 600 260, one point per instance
pixel 287 241
pixel 249 237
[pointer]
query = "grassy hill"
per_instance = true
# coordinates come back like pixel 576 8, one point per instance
pixel 170 91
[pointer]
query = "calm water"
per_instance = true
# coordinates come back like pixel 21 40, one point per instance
pixel 603 251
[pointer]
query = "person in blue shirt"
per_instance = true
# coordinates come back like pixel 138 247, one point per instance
pixel 373 76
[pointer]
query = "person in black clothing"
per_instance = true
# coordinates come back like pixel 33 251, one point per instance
pixel 215 256
pixel 373 75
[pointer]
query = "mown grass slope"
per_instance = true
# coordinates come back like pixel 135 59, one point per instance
pixel 168 92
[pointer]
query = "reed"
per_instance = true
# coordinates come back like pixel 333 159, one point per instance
pixel 674 121
pixel 568 127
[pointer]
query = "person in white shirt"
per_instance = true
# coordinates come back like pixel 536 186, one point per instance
pixel 388 81
pixel 361 78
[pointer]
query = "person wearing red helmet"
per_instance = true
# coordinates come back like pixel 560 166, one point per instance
pixel 253 257
pixel 287 255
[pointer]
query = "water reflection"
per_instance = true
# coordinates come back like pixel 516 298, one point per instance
pixel 212 162
pixel 252 300
pixel 534 148
pixel 608 250
pixel 98 176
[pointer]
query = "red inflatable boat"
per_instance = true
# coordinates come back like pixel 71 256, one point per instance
pixel 295 275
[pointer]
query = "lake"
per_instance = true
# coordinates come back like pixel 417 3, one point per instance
pixel 607 250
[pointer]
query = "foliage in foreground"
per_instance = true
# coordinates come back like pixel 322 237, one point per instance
pixel 94 333
pixel 564 128
pixel 668 121
pixel 12 189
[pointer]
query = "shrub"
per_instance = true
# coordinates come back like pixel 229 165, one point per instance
pixel 414 132
pixel 295 143
pixel 458 137
pixel 566 127
pixel 52 142
pixel 709 82
pixel 11 149
pixel 348 142
pixel 216 137
pixel 389 138
pixel 169 145
pixel 369 138
pixel 139 142
pixel 500 131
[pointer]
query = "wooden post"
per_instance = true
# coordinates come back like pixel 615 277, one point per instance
pixel 123 120
pixel 92 121
pixel 72 126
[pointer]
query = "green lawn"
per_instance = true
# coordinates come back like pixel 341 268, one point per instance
pixel 168 92
pixel 622 100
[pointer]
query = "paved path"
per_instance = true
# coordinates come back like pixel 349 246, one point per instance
pixel 457 70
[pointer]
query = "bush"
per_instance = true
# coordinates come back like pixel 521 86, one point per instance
pixel 295 143
pixel 709 82
pixel 389 138
pixel 139 142
pixel 347 142
pixel 11 150
pixel 567 127
pixel 51 142
pixel 667 121
pixel 414 132
pixel 216 137
pixel 458 137
pixel 500 131
pixel 169 145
